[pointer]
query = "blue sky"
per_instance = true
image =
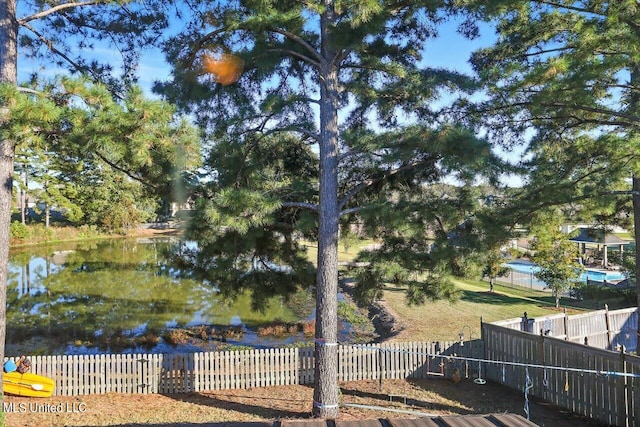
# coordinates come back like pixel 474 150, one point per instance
pixel 450 50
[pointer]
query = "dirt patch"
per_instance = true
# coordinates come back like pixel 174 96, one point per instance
pixel 430 396
pixel 386 322
pixel 150 232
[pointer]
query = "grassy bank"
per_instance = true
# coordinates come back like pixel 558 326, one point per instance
pixel 31 235
pixel 443 321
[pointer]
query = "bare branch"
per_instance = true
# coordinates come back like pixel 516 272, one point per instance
pixel 296 55
pixel 352 210
pixel 58 8
pixel 53 49
pixel 125 171
pixel 547 51
pixel 302 42
pixel 29 90
pixel 572 8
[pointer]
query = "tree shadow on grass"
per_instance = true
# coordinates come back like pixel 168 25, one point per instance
pixel 267 407
pixel 486 297
pixel 384 399
pixel 496 298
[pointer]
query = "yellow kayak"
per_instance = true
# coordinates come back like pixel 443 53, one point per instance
pixel 27 384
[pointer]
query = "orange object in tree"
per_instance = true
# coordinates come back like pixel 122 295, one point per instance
pixel 226 68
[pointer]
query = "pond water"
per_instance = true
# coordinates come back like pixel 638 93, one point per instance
pixel 123 296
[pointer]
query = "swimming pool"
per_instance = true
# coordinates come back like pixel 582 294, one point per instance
pixel 597 276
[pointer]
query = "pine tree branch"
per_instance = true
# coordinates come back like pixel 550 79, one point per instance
pixel 373 181
pixel 632 119
pixel 557 202
pixel 125 171
pixel 352 210
pixel 61 54
pixel 302 42
pixel 296 55
pixel 304 205
pixel 353 153
pixel 58 8
pixel 571 8
pixel 311 135
pixel 586 11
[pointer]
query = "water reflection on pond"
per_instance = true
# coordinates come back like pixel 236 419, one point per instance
pixel 122 295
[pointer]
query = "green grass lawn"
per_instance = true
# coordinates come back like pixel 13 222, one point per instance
pixel 345 254
pixel 443 321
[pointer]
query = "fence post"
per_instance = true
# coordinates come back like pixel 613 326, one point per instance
pixel 379 369
pixel 623 394
pixel 542 360
pixel 608 322
pixel 566 324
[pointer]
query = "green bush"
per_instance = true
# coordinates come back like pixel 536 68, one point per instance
pixel 516 253
pixel 41 233
pixel 599 292
pixel 19 230
pixel 88 232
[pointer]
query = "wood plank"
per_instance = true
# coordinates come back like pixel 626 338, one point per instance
pixel 415 422
pixel 466 421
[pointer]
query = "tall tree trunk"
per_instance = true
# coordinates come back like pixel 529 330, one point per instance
pixel 8 74
pixel 636 232
pixel 634 104
pixel 326 392
pixel 23 195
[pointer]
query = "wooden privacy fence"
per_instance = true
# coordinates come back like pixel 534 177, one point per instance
pixel 192 372
pixel 601 329
pixel 589 381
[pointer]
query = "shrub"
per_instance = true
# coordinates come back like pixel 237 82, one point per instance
pixel 19 231
pixel 598 292
pixel 40 233
pixel 88 231
pixel 515 253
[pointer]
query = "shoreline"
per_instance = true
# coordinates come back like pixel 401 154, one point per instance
pixel 132 234
pixel 386 322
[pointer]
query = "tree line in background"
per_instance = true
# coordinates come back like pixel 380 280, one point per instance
pixel 338 126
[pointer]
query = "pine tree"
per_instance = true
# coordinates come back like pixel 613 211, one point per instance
pixel 569 70
pixel 48 30
pixel 106 161
pixel 348 78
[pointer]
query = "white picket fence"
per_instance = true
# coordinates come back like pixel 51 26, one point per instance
pixel 192 372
